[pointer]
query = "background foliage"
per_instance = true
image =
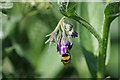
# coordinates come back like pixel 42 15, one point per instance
pixel 24 53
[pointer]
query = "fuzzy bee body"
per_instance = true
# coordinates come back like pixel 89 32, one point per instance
pixel 66 58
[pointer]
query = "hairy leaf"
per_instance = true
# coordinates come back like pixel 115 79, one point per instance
pixel 86 39
pixel 112 10
pixel 91 61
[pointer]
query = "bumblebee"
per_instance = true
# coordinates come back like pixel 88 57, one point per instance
pixel 66 58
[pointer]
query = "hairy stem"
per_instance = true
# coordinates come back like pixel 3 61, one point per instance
pixel 58 25
pixel 103 40
pixel 103 49
pixel 87 25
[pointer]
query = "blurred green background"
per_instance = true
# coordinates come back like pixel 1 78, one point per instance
pixel 25 54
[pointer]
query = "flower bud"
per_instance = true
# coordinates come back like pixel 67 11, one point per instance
pixel 74 34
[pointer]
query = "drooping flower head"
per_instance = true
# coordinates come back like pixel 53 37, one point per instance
pixel 64 37
pixel 65 42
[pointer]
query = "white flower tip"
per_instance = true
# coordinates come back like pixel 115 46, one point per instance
pixel 47 41
pixel 49 46
pixel 47 35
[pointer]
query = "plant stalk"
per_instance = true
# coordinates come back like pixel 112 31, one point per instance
pixel 103 40
pixel 58 25
pixel 87 26
pixel 103 49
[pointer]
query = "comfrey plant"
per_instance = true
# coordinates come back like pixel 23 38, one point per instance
pixel 66 34
pixel 64 39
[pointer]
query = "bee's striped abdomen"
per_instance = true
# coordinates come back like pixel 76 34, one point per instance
pixel 66 58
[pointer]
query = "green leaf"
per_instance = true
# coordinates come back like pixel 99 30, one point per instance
pixel 85 35
pixel 86 39
pixel 78 60
pixel 91 61
pixel 96 8
pixel 89 42
pixel 67 8
pixel 112 10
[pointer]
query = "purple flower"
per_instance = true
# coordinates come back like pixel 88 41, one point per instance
pixel 62 45
pixel 70 45
pixel 74 34
pixel 58 47
pixel 63 48
pixel 64 38
pixel 58 42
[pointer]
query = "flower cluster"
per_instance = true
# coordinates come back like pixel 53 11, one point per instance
pixel 64 37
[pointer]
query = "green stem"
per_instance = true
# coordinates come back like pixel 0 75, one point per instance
pixel 87 25
pixel 103 49
pixel 58 25
pixel 102 41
